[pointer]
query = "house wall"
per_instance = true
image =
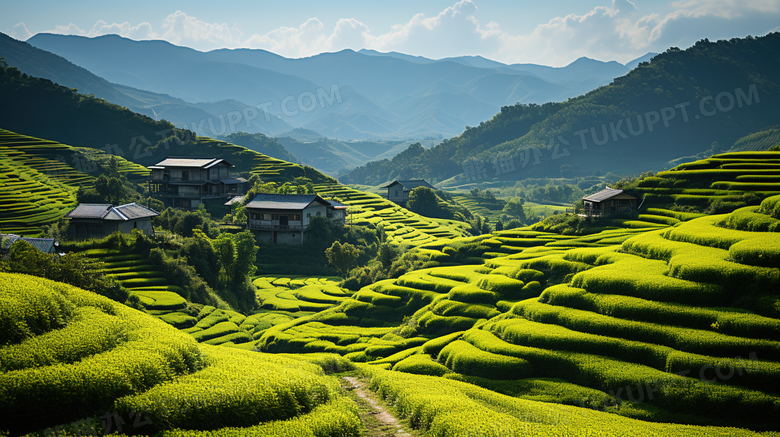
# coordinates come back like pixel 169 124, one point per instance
pixel 312 211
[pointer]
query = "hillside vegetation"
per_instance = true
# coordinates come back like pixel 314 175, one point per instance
pixel 73 360
pixel 675 77
pixel 691 309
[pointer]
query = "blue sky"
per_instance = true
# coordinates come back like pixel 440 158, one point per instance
pixel 551 33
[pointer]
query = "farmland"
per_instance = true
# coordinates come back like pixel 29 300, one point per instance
pixel 39 180
pixel 667 322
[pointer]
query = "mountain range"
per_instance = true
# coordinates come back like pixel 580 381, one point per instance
pixel 359 95
pixel 676 106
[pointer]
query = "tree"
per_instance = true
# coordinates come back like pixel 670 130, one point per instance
pixel 110 188
pixel 343 257
pixel 246 254
pixel 424 200
pixel 387 254
pixel 226 254
pixel 499 225
pixel 514 208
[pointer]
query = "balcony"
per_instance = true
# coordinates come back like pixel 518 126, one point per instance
pixel 264 225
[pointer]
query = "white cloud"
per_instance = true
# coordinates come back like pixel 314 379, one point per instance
pixel 304 40
pixel 139 32
pixel 20 32
pixel 70 29
pixel 454 31
pixel 185 30
pixel 622 30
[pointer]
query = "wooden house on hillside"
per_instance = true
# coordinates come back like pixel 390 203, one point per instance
pixel 186 182
pixel 608 201
pixel 398 191
pixel 91 220
pixel 283 218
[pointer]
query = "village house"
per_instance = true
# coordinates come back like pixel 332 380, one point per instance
pixel 609 201
pixel 398 191
pixel 186 182
pixel 91 220
pixel 45 245
pixel 283 218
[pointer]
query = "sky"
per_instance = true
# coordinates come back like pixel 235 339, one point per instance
pixel 511 31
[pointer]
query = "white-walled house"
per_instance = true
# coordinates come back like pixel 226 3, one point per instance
pixel 283 218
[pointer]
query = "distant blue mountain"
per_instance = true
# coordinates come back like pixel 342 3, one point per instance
pixel 382 95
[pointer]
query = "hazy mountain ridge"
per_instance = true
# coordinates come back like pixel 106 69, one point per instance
pixel 371 84
pixel 692 78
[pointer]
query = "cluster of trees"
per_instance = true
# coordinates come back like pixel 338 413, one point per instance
pixel 439 204
pixel 72 268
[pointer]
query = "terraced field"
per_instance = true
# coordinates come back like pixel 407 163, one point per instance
pixel 722 178
pixel 474 206
pixel 69 357
pixel 635 321
pixel 401 225
pixel 38 180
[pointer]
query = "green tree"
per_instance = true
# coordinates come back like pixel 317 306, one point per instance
pixel 343 257
pixel 226 254
pixel 110 188
pixel 514 208
pixel 387 254
pixel 424 201
pixel 246 254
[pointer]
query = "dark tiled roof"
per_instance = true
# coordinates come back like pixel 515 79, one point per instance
pixel 135 211
pixel 45 245
pixel 90 210
pixel 604 194
pixel 190 162
pixel 337 205
pixel 410 185
pixel 284 201
pixel 130 211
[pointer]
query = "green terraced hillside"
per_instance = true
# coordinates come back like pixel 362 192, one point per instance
pixel 688 304
pixel 39 180
pixel 723 178
pixel 68 356
pixel 401 225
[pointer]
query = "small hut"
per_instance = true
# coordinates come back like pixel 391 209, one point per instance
pixel 609 201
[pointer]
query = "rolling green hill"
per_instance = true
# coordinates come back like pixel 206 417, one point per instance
pixel 721 182
pixel 40 179
pixel 692 79
pixel 601 314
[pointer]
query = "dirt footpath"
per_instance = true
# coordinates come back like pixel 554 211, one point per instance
pixel 379 413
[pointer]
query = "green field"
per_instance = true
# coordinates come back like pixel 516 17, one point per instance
pixel 667 323
pixel 38 180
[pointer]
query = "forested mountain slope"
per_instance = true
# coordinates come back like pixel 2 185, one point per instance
pixel 677 105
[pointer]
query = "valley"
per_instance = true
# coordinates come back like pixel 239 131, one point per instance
pixel 377 267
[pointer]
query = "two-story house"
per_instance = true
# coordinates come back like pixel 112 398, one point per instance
pixel 283 218
pixel 186 182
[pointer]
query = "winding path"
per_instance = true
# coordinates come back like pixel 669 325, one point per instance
pixel 380 413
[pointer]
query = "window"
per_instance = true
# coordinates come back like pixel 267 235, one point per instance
pixel 318 213
pixel 185 175
pixel 396 193
pixel 308 215
pixel 296 217
pixel 274 216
